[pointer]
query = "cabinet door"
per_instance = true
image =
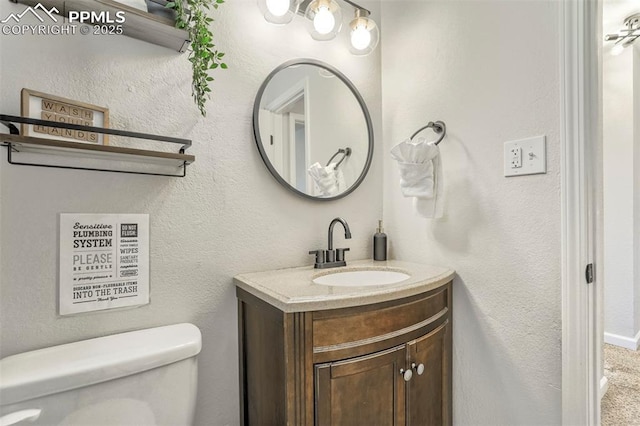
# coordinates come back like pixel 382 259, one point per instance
pixel 429 393
pixel 367 391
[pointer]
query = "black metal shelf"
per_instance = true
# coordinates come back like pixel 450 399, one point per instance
pixel 89 156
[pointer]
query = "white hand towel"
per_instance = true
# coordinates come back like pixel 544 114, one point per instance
pixel 342 185
pixel 329 180
pixel 421 175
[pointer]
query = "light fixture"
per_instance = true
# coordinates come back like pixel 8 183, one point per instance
pixel 627 36
pixel 324 19
pixel 364 34
pixel 279 12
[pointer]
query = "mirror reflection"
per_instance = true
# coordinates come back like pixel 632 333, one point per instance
pixel 313 130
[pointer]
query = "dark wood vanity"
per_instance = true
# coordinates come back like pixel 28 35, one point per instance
pixel 385 363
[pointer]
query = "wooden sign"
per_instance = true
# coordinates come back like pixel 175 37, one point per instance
pixel 43 106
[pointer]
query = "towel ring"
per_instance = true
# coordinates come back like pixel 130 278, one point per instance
pixel 346 152
pixel 438 127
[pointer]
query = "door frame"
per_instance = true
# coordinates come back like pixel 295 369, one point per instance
pixel 580 142
pixel 295 119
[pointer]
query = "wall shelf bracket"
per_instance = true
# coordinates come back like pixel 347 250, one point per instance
pixel 65 154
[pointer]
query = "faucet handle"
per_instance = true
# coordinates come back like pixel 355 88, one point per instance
pixel 319 256
pixel 340 254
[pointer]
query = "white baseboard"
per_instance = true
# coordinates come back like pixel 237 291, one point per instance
pixel 623 341
pixel 604 386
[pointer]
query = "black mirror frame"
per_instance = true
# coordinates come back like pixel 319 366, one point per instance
pixel 258 139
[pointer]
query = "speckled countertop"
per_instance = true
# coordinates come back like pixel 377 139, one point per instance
pixel 293 290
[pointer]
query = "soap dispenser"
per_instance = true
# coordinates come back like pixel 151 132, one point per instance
pixel 380 244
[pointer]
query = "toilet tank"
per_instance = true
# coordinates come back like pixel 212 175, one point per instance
pixel 145 377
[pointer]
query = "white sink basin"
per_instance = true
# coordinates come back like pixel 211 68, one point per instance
pixel 360 278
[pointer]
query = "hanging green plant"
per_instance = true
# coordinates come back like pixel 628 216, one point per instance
pixel 191 15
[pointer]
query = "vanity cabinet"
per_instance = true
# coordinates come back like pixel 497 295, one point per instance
pixel 429 393
pixel 347 366
pixel 362 391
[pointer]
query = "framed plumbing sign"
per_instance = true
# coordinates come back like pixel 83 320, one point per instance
pixel 104 262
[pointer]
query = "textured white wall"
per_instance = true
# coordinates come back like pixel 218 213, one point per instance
pixel 490 70
pixel 620 168
pixel 227 216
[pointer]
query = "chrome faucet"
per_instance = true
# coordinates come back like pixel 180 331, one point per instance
pixel 331 258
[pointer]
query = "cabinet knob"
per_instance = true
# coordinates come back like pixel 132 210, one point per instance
pixel 419 368
pixel 406 374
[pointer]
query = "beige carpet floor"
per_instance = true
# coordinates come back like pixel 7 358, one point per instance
pixel 621 403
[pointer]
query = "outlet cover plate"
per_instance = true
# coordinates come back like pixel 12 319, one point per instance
pixel 534 157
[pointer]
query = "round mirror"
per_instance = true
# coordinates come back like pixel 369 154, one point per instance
pixel 313 130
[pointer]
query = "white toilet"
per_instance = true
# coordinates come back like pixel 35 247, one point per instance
pixel 145 377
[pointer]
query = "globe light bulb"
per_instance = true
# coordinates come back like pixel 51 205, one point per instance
pixel 278 7
pixel 360 37
pixel 324 21
pixel 364 33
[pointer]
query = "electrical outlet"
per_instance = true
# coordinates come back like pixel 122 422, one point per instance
pixel 516 157
pixel 525 157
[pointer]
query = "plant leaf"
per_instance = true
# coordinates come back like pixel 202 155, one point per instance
pixel 202 53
